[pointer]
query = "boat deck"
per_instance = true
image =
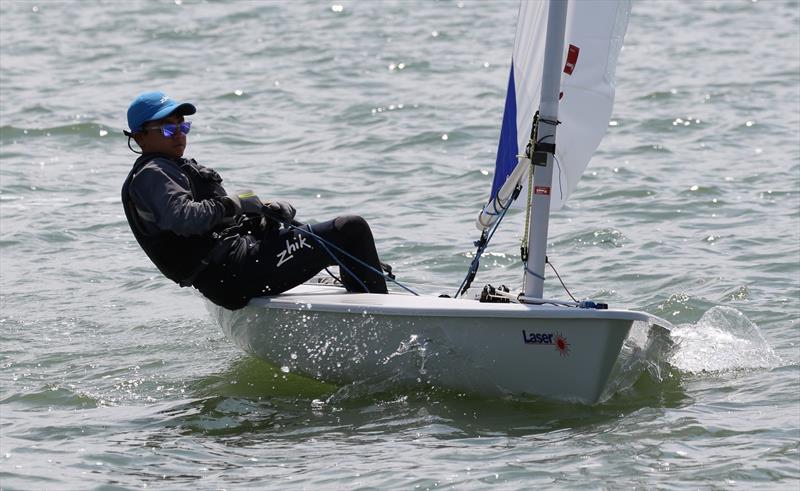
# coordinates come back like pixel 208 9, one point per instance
pixel 329 298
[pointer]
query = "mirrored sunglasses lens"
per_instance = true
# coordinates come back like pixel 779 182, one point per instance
pixel 168 129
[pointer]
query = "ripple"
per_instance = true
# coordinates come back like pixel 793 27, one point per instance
pixel 603 238
pixel 51 397
pixel 86 129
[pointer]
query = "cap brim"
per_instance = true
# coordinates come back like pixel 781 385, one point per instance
pixel 183 109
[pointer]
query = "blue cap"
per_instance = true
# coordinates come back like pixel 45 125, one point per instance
pixel 150 106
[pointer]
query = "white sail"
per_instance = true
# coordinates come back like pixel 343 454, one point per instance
pixel 594 34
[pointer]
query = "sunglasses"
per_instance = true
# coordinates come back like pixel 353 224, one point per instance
pixel 171 128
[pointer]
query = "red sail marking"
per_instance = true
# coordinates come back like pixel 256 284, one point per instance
pixel 541 190
pixel 572 59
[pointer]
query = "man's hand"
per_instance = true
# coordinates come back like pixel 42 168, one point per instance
pixel 281 210
pixel 247 202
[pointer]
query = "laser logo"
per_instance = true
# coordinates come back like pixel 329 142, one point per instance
pixel 547 339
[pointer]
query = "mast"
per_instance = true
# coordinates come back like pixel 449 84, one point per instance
pixel 533 282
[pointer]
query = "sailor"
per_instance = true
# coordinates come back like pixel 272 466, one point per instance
pixel 230 247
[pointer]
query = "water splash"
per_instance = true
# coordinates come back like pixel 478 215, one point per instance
pixel 413 345
pixel 648 349
pixel 370 387
pixel 724 339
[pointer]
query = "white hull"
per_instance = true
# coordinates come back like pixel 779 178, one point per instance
pixel 491 349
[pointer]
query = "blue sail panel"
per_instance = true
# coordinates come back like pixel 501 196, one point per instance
pixel 507 149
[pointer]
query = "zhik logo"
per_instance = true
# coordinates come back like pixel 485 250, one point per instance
pixel 291 247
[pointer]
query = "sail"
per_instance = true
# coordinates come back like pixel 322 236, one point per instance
pixel 594 35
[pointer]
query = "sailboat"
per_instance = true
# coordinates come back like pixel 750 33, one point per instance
pixel 558 105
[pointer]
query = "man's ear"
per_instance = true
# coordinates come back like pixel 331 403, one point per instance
pixel 138 137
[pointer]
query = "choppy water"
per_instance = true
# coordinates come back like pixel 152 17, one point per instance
pixel 114 378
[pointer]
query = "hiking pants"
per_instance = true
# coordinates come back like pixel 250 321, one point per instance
pixel 282 259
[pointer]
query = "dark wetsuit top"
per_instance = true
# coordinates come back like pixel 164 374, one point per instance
pixel 174 206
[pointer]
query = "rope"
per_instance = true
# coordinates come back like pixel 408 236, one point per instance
pixel 559 279
pixel 531 148
pixel 560 188
pixel 325 244
pixel 321 242
pixel 523 247
pixel 534 273
pixel 333 275
pixel 482 244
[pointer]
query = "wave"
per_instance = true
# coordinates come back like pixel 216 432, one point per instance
pixel 87 129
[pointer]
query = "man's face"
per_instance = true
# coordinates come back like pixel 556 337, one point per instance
pixel 152 140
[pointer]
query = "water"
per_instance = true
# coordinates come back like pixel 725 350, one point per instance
pixel 114 378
